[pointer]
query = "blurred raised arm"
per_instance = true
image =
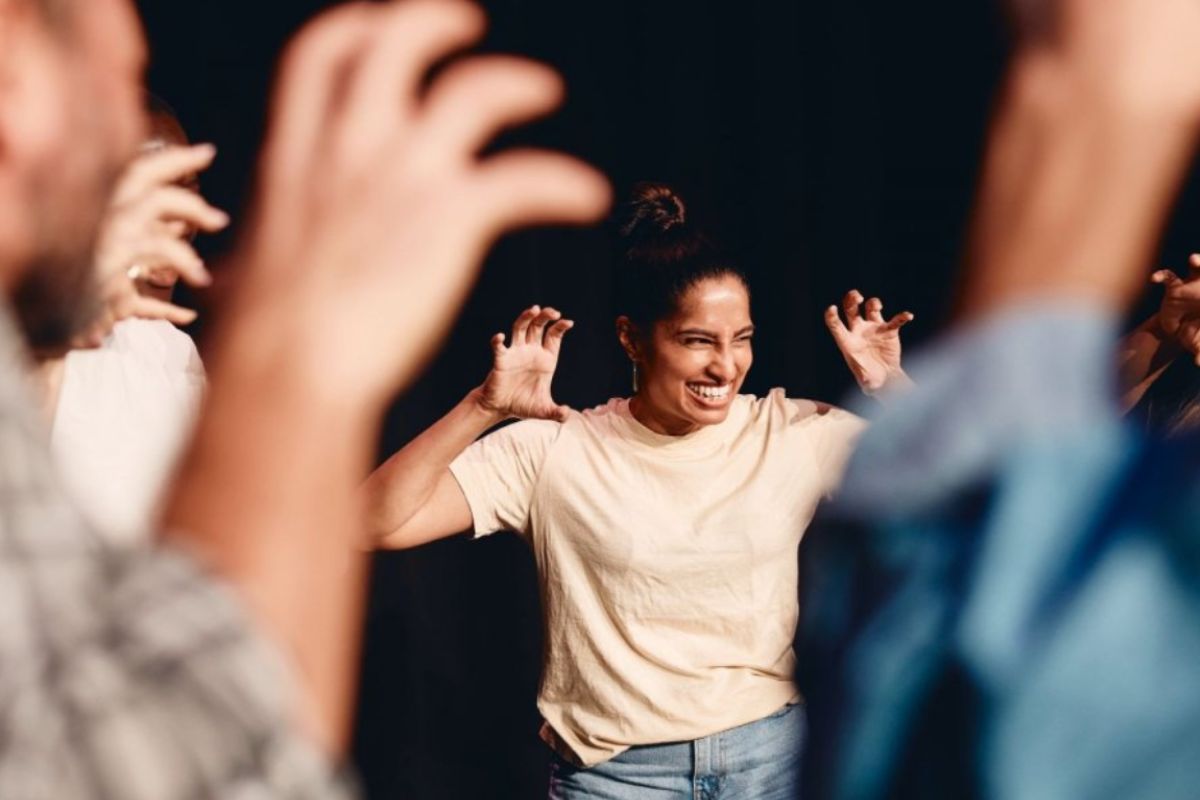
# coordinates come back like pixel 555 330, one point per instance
pixel 1092 135
pixel 373 213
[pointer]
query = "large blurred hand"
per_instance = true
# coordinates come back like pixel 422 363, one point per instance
pixel 144 233
pixel 870 345
pixel 375 208
pixel 519 383
pixel 1179 313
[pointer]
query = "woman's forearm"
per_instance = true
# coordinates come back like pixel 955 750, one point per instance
pixel 405 483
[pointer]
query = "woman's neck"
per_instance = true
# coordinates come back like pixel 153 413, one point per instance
pixel 645 413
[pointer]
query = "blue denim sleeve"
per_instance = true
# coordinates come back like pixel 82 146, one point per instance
pixel 1010 603
pixel 1030 372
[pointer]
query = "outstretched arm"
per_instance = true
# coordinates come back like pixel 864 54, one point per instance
pixel 413 498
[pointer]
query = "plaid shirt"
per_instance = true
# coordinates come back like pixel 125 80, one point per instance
pixel 125 673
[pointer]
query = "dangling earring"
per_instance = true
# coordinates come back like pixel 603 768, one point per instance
pixel 635 378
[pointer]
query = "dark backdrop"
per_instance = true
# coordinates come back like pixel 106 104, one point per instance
pixel 832 144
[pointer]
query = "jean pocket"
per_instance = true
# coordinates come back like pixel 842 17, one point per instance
pixel 790 707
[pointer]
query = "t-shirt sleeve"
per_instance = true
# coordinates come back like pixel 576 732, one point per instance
pixel 835 435
pixel 829 433
pixel 499 473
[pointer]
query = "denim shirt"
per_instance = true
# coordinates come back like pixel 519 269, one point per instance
pixel 1007 601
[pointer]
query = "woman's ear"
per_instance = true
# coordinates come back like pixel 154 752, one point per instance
pixel 627 333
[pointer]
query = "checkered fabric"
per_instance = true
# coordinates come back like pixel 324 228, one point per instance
pixel 125 673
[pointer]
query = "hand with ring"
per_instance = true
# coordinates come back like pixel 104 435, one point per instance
pixel 144 238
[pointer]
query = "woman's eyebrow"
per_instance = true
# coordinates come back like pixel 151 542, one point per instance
pixel 711 334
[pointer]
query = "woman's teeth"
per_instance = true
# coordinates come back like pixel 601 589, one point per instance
pixel 709 392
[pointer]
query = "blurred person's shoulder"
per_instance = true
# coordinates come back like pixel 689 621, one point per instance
pixel 158 341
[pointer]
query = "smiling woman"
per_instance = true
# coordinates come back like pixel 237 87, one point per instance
pixel 685 321
pixel 664 526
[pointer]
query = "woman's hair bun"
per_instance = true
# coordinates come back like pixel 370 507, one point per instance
pixel 652 210
pixel 662 254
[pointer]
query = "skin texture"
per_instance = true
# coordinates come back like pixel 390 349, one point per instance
pixel 54 183
pixel 869 343
pixel 706 343
pixel 1092 133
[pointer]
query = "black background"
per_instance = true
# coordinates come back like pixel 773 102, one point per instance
pixel 833 145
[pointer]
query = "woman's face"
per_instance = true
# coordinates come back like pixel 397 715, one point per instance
pixel 693 365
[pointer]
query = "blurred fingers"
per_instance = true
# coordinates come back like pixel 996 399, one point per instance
pixel 157 252
pixel 875 310
pixel 176 204
pixel 554 336
pixel 1166 277
pixel 850 304
pixel 521 325
pixel 833 321
pixel 533 187
pixel 313 71
pixel 150 308
pixel 537 328
pixel 478 98
pixel 408 39
pixel 899 321
pixel 162 168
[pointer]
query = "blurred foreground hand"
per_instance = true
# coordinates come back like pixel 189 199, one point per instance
pixel 374 208
pixel 145 232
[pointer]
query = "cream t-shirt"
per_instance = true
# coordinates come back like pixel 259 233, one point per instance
pixel 668 564
pixel 125 411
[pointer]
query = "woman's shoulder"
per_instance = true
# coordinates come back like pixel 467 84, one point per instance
pixel 802 411
pixel 612 409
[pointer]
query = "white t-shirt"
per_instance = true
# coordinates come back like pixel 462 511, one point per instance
pixel 668 564
pixel 125 410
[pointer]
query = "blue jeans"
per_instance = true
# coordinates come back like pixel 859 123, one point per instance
pixel 756 761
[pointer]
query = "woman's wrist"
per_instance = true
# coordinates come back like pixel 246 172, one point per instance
pixel 896 380
pixel 479 407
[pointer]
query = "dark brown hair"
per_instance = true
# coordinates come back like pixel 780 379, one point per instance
pixel 662 255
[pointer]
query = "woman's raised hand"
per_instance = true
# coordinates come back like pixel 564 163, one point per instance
pixel 870 344
pixel 519 383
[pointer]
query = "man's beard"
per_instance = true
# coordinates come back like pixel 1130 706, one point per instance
pixel 55 300
pixel 58 295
